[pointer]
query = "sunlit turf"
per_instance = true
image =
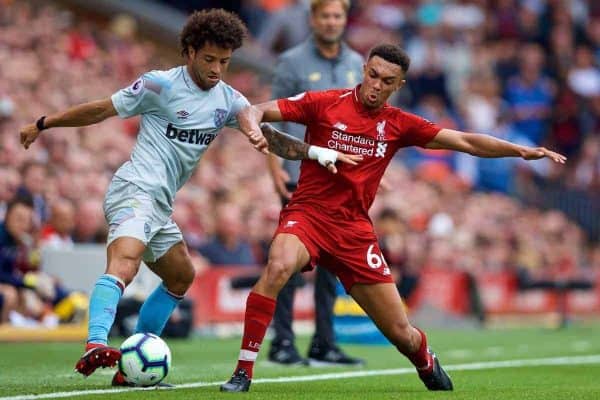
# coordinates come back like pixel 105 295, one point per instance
pixel 48 368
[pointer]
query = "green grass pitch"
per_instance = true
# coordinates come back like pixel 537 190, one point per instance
pixel 566 365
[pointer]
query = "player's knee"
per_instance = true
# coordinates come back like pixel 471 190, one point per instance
pixel 278 272
pixel 124 267
pixel 187 276
pixel 182 280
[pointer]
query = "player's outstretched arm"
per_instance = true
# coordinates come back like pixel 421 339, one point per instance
pixel 79 115
pixel 249 120
pixel 250 117
pixel 289 147
pixel 481 145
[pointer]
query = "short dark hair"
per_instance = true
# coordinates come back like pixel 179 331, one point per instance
pixel 391 53
pixel 20 199
pixel 217 26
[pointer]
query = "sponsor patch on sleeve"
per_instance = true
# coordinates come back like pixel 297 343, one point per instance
pixel 137 86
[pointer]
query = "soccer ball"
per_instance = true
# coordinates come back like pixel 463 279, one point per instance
pixel 145 359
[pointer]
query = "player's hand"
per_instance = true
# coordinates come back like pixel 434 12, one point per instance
pixel 258 141
pixel 280 178
pixel 352 159
pixel 327 157
pixel 28 135
pixel 535 153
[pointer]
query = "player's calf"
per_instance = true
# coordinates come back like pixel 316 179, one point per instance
pixel 96 356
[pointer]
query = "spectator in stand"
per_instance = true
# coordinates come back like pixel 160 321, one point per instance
pixel 228 245
pixel 530 95
pixel 15 258
pixel 393 235
pixel 283 30
pixel 90 225
pixel 587 170
pixel 56 233
pixel 9 182
pixel 34 178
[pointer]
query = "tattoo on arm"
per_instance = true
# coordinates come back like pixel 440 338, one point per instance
pixel 284 145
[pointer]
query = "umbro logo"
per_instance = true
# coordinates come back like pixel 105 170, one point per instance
pixel 290 224
pixel 182 114
pixel 340 126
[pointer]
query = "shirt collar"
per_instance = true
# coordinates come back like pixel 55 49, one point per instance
pixel 192 85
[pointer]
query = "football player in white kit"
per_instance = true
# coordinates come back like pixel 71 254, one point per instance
pixel 182 109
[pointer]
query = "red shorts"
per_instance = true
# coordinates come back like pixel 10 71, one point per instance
pixel 348 250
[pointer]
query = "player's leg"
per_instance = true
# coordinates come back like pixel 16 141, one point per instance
pixel 286 256
pixel 124 256
pixel 177 272
pixel 283 349
pixel 323 349
pixel 129 212
pixel 383 304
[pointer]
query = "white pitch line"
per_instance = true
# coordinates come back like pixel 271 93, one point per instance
pixel 535 362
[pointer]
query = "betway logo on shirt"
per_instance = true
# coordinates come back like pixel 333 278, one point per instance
pixel 355 144
pixel 192 136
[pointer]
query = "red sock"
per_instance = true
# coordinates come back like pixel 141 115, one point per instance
pixel 259 312
pixel 422 358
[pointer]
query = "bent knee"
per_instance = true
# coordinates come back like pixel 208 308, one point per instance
pixel 278 272
pixel 124 268
pixel 182 281
pixel 187 276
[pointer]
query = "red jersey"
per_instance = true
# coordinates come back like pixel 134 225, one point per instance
pixel 336 119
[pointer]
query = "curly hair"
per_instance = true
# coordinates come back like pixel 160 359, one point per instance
pixel 217 26
pixel 391 53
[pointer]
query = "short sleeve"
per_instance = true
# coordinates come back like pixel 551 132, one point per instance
pixel 142 96
pixel 419 131
pixel 239 102
pixel 301 108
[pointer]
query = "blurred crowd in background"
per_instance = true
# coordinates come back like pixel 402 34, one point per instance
pixel 527 71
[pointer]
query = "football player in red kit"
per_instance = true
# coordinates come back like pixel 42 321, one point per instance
pixel 327 222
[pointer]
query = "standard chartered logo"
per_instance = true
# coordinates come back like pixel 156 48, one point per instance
pixel 356 144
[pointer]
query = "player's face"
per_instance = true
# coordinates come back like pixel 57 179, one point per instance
pixel 208 64
pixel 382 78
pixel 328 22
pixel 19 220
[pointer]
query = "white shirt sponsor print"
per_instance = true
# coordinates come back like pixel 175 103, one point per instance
pixel 358 144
